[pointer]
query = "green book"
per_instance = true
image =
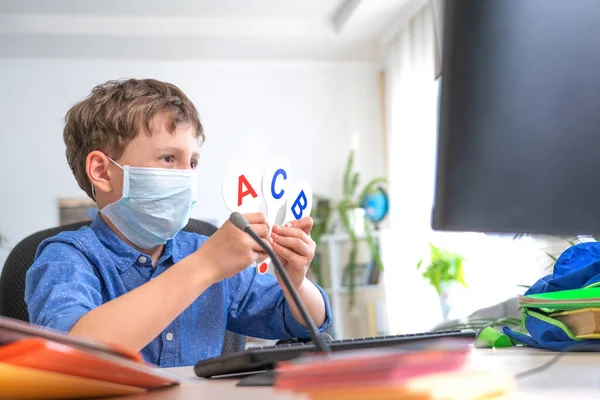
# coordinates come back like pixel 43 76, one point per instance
pixel 563 300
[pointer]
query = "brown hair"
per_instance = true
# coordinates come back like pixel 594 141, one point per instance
pixel 115 112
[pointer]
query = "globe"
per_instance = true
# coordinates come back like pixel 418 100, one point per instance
pixel 376 205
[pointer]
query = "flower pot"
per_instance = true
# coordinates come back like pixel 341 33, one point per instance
pixel 445 299
pixel 356 217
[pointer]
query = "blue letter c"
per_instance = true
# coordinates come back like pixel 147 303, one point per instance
pixel 276 195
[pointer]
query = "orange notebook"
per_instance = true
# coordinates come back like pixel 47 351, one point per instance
pixel 45 355
pixel 69 366
pixel 25 383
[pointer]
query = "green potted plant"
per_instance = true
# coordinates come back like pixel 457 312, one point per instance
pixel 444 270
pixel 321 215
pixel 353 219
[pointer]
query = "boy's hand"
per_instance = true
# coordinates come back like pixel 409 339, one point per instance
pixel 295 248
pixel 231 250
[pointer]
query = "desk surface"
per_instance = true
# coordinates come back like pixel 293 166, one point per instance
pixel 574 375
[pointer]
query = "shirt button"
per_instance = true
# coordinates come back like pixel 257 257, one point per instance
pixel 142 260
pixel 169 336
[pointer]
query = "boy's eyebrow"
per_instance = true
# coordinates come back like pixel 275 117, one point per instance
pixel 176 150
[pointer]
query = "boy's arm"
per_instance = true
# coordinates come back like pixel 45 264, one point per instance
pixel 296 249
pixel 313 300
pixel 66 294
pixel 63 291
pixel 258 307
pixel 134 319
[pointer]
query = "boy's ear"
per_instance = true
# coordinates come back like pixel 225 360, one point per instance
pixel 96 168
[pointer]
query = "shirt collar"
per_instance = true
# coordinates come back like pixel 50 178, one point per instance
pixel 122 253
pixel 173 251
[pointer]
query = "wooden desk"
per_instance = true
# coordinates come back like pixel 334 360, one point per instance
pixel 574 376
pixel 200 389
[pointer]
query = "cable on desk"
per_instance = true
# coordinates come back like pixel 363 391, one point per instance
pixel 541 368
pixel 558 356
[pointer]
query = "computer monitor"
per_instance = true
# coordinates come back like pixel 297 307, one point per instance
pixel 519 127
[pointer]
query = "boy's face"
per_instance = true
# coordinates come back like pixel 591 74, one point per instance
pixel 161 149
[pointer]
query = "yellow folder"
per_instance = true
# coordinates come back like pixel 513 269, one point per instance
pixel 25 383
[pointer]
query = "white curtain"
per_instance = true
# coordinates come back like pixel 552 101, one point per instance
pixel 495 265
pixel 411 103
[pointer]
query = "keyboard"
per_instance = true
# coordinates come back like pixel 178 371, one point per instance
pixel 258 359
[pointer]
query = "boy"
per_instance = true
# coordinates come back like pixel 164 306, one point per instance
pixel 132 278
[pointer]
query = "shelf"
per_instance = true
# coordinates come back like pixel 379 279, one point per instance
pixel 357 289
pixel 334 254
pixel 343 237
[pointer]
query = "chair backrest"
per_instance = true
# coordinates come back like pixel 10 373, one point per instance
pixel 12 279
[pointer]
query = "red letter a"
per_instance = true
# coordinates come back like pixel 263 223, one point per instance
pixel 243 193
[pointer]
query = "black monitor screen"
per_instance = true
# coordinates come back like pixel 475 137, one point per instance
pixel 519 136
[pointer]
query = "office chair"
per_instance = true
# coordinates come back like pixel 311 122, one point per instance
pixel 12 280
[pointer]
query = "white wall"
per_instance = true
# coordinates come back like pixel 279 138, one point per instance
pixel 307 112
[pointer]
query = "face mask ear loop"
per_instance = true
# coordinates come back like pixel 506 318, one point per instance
pixel 93 188
pixel 116 163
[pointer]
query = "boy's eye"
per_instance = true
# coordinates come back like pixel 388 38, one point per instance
pixel 168 159
pixel 193 164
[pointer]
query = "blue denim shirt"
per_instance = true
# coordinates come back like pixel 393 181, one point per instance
pixel 74 272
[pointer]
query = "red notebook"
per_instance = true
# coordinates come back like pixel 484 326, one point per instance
pixel 368 368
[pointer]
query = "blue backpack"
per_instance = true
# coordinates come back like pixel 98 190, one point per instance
pixel 578 267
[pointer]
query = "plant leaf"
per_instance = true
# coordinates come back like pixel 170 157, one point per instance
pixel 354 184
pixel 460 275
pixel 351 269
pixel 345 220
pixel 436 280
pixel 552 256
pixel 372 243
pixel 347 172
pixel 443 267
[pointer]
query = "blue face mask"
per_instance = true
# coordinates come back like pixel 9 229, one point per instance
pixel 155 205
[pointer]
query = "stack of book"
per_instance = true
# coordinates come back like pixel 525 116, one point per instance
pixel 578 309
pixel 441 370
pixel 584 323
pixel 43 363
